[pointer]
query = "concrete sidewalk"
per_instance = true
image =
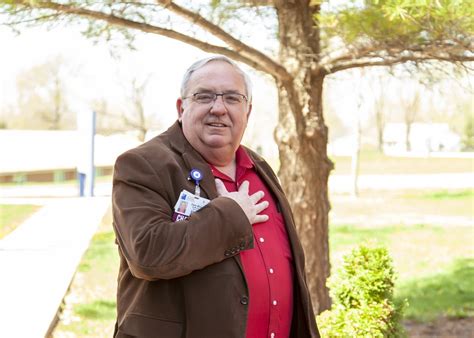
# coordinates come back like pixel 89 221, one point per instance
pixel 38 261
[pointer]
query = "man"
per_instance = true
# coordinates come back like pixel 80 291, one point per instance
pixel 230 266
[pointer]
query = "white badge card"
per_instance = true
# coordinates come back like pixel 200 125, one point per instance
pixel 188 203
pixel 184 204
pixel 199 202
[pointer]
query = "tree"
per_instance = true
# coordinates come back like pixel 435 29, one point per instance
pixel 315 39
pixel 42 97
pixel 136 97
pixel 380 111
pixel 410 104
pixel 468 135
pixel 131 115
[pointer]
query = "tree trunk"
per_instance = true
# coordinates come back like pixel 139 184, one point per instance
pixel 380 124
pixel 356 158
pixel 302 139
pixel 407 136
pixel 380 140
pixel 304 174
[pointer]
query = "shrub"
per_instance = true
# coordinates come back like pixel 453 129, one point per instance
pixel 362 294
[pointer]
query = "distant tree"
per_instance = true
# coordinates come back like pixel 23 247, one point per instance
pixel 411 110
pixel 468 135
pixel 105 124
pixel 455 109
pixel 135 116
pixel 315 39
pixel 42 97
pixel 380 111
pixel 380 121
pixel 128 116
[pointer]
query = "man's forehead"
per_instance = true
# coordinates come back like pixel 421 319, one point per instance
pixel 217 70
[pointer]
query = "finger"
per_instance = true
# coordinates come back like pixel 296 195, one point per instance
pixel 257 196
pixel 260 219
pixel 220 187
pixel 244 187
pixel 261 206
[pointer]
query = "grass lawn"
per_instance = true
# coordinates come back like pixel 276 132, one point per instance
pixel 435 263
pixel 372 162
pixel 393 206
pixel 450 292
pixel 12 215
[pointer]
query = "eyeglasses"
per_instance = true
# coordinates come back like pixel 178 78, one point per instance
pixel 228 98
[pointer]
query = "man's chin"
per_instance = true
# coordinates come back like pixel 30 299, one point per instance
pixel 216 141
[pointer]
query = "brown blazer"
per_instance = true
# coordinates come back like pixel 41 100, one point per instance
pixel 185 279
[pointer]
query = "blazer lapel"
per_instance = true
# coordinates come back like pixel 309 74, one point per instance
pixel 192 159
pixel 207 183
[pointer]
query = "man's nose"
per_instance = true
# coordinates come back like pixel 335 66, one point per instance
pixel 218 106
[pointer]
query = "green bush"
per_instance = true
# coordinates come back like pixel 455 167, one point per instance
pixel 362 294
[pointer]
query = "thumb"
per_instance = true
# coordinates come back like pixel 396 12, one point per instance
pixel 220 187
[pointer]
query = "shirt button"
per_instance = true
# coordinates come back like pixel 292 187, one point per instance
pixel 271 270
pixel 261 239
pixel 244 300
pixel 274 302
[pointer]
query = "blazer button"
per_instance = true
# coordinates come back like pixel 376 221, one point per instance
pixel 244 300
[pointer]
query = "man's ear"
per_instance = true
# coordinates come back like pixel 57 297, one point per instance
pixel 250 110
pixel 179 108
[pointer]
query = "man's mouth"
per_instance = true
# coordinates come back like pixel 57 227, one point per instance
pixel 217 124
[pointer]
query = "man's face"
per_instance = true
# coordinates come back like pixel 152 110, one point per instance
pixel 214 126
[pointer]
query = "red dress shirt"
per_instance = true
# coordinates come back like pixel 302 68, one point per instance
pixel 269 265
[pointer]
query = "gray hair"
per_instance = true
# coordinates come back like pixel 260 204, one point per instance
pixel 201 63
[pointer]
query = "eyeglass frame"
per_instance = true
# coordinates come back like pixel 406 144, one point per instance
pixel 193 96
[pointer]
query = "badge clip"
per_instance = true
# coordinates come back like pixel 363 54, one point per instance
pixel 196 175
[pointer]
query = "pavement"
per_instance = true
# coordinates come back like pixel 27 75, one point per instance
pixel 39 258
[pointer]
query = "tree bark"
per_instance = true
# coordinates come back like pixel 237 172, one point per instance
pixel 302 138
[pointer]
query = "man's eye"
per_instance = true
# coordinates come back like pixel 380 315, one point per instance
pixel 232 98
pixel 204 97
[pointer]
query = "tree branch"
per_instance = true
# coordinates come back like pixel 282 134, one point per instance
pixel 384 61
pixel 237 51
pixel 391 55
pixel 270 65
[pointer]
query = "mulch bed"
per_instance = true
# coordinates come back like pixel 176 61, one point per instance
pixel 442 328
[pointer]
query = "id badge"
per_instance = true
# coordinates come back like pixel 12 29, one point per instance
pixel 187 204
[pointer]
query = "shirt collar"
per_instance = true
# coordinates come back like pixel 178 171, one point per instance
pixel 242 161
pixel 242 158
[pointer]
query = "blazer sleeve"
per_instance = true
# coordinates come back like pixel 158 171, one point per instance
pixel 153 245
